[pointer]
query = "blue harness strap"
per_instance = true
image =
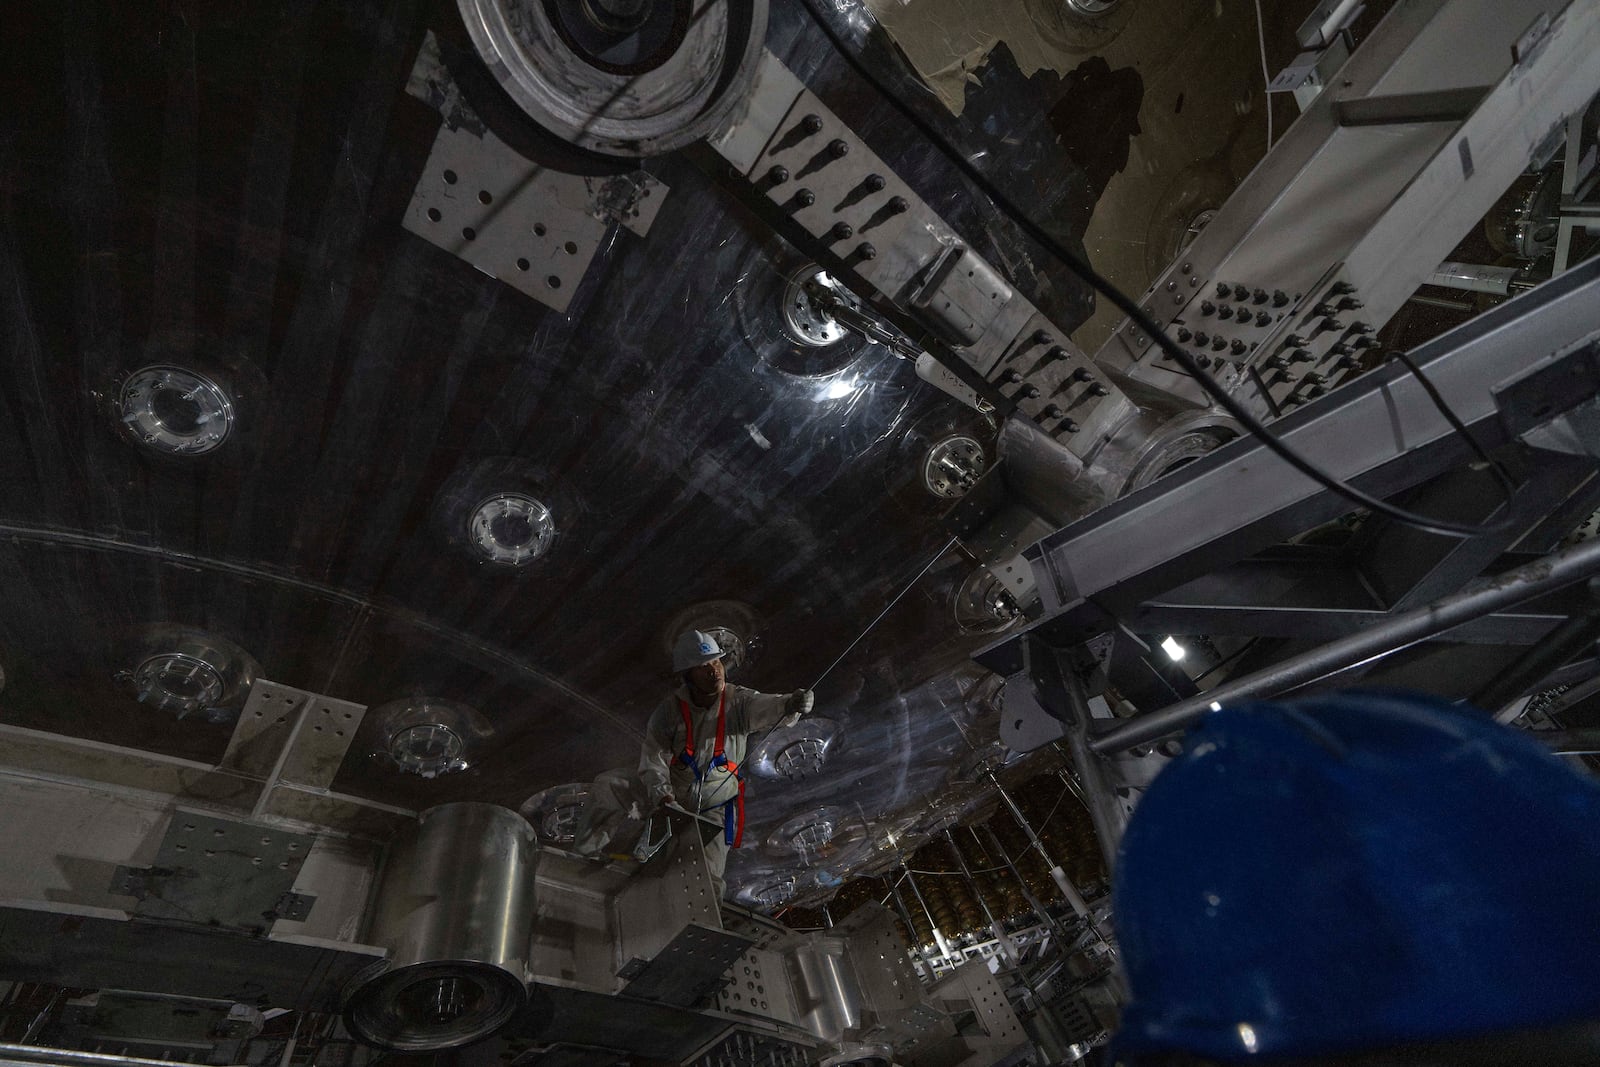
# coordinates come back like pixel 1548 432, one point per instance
pixel 733 810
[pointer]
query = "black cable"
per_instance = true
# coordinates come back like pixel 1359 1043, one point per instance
pixel 1506 484
pixel 1131 308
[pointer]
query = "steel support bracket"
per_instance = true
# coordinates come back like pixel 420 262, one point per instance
pixel 1550 387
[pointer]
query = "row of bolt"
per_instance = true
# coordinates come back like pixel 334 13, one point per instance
pixel 836 149
pixel 1054 411
pixel 1343 353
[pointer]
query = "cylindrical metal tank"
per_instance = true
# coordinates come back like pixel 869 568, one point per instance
pixel 455 911
pixel 825 980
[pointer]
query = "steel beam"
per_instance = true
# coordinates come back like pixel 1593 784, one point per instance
pixel 1391 635
pixel 1380 432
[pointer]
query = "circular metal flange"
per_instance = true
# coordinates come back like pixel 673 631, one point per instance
pixel 794 752
pixel 188 672
pixel 178 682
pixel 1179 443
pixel 979 763
pixel 1091 9
pixel 174 411
pixel 427 749
pixel 432 1006
pixel 555 812
pixel 984 603
pixel 770 893
pixel 428 737
pixel 807 301
pixel 621 82
pixel 954 466
pixel 826 833
pixel 857 1054
pixel 511 529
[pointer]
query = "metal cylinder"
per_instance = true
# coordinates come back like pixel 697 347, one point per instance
pixel 455 911
pixel 1474 277
pixel 827 982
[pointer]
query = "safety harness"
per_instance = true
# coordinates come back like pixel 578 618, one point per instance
pixel 732 810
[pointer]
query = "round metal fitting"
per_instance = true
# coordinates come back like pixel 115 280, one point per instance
pixel 428 749
pixel 1179 443
pixel 768 894
pixel 856 1054
pixel 622 77
pixel 435 1005
pixel 979 763
pixel 794 752
pixel 1526 220
pixel 953 466
pixel 808 301
pixel 1090 9
pixel 511 529
pixel 554 813
pixel 428 737
pixel 174 411
pixel 179 682
pixel 1196 227
pixel 825 833
pixel 188 672
pixel 985 603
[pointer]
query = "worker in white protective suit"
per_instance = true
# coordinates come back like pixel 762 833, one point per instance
pixel 695 742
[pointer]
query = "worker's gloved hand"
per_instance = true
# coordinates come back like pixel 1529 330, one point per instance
pixel 799 706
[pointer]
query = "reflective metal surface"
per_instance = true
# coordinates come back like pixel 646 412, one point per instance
pixel 455 911
pixel 699 467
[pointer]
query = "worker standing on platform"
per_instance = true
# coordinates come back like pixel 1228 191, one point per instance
pixel 695 742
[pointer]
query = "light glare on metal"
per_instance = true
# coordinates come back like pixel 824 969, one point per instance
pixel 175 411
pixel 840 388
pixel 179 682
pixel 512 529
pixel 428 749
pixel 1174 650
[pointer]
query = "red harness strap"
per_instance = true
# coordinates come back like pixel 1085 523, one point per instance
pixel 733 819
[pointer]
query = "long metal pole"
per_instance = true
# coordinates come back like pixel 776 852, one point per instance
pixel 1391 635
pixel 1034 902
pixel 1105 811
pixel 1000 934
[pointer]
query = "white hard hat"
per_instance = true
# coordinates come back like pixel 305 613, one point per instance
pixel 693 648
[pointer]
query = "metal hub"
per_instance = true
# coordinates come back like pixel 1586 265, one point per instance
pixel 1196 227
pixel 556 812
pixel 812 836
pixel 808 300
pixel 771 894
pixel 954 466
pixel 833 832
pixel 174 411
pixel 629 78
pixel 1091 8
pixel 177 681
pixel 431 1006
pixel 428 749
pixel 984 603
pixel 512 529
pixel 801 758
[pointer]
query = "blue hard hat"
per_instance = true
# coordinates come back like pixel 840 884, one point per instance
pixel 1356 872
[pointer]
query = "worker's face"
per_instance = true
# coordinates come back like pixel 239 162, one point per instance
pixel 706 678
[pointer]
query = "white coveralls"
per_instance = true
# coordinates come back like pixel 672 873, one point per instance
pixel 748 712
